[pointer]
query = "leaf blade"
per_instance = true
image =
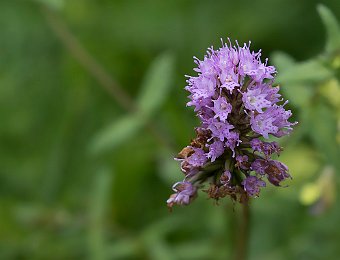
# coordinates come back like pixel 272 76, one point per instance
pixel 156 84
pixel 311 71
pixel 332 28
pixel 116 133
pixel 99 201
pixel 282 61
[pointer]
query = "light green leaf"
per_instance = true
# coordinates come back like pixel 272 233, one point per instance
pixel 198 249
pixel 168 169
pixel 123 248
pixel 53 4
pixel 99 197
pixel 116 133
pixel 156 84
pixel 282 61
pixel 303 161
pixel 312 71
pixel 332 28
pixel 323 130
pixel 297 94
pixel 153 237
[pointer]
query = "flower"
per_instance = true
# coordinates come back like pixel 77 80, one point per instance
pixel 242 162
pixel 221 108
pixel 265 147
pixel 198 158
pixel 277 172
pixel 252 185
pixel 185 192
pixel 225 177
pixel 238 106
pixel 259 166
pixel 219 129
pixel 255 99
pixel 216 149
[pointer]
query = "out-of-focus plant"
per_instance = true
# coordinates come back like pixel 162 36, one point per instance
pixel 154 91
pixel 313 86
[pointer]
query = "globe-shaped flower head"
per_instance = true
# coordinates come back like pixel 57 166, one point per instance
pixel 239 109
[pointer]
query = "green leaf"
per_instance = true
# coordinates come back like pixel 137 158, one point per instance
pixel 53 4
pixel 168 169
pixel 116 133
pixel 312 71
pixel 99 198
pixel 123 248
pixel 332 28
pixel 282 61
pixel 156 84
pixel 323 130
pixel 297 94
pixel 303 161
pixel 153 237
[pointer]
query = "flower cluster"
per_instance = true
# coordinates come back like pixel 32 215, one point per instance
pixel 238 108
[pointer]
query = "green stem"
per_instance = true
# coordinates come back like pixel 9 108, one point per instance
pixel 243 233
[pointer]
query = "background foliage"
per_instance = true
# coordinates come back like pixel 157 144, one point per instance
pixel 86 169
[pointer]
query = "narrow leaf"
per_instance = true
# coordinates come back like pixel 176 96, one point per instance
pixel 168 169
pixel 332 28
pixel 282 61
pixel 123 249
pixel 156 84
pixel 53 4
pixel 298 94
pixel 97 209
pixel 312 71
pixel 323 130
pixel 116 133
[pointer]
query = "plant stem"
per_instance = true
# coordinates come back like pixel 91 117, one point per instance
pixel 87 61
pixel 243 233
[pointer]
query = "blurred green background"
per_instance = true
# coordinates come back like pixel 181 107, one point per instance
pixel 85 171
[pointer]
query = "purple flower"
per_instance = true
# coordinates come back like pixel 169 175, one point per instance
pixel 255 99
pixel 256 144
pixel 233 140
pixel 185 192
pixel 242 162
pixel 225 177
pixel 276 172
pixel 198 158
pixel 201 87
pixel 229 80
pixel 263 124
pixel 265 147
pixel 269 148
pixel 273 121
pixel 206 67
pixel 219 129
pixel 221 108
pixel 281 117
pixel 259 166
pixel 233 97
pixel 252 185
pixel 199 103
pixel 216 149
